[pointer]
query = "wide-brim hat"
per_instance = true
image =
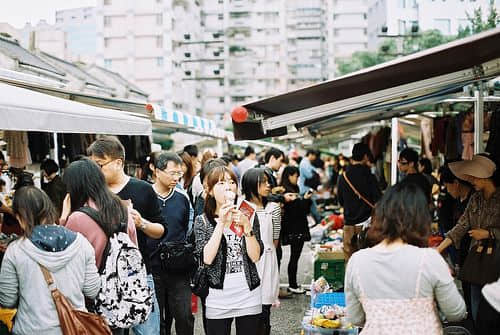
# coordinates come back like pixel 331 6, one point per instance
pixel 480 167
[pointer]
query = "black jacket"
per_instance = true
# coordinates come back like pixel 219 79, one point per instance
pixel 355 209
pixel 203 230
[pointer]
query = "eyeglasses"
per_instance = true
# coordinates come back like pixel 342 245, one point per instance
pixel 403 162
pixel 178 174
pixel 101 165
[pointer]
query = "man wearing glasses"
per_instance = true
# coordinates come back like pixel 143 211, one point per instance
pixel 407 164
pixel 109 154
pixel 173 288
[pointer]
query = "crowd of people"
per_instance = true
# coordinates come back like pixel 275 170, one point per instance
pixel 227 213
pixel 198 220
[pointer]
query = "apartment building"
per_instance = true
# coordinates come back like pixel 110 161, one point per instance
pixel 136 39
pixel 347 30
pixel 80 28
pixel 403 17
pixel 307 44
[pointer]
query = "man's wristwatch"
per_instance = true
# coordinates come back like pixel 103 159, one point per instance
pixel 142 226
pixel 249 234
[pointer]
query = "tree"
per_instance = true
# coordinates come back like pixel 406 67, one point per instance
pixel 417 42
pixel 476 23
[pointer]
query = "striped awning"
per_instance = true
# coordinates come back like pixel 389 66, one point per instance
pixel 191 123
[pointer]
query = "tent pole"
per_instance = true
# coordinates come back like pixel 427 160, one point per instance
pixel 394 150
pixel 56 149
pixel 478 119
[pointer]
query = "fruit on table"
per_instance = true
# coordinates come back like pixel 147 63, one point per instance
pixel 320 321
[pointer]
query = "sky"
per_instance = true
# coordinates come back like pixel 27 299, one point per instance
pixel 18 12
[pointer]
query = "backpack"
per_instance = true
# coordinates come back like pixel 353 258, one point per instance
pixel 125 298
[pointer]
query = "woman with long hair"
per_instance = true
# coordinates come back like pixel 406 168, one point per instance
pixel 67 255
pixel 87 188
pixel 229 245
pixel 294 226
pixel 481 217
pixel 189 171
pixel 393 287
pixel 256 188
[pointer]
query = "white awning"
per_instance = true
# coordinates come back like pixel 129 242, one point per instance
pixel 22 109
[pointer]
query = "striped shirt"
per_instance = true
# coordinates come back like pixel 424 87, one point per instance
pixel 275 211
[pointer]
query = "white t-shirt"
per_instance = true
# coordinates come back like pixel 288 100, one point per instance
pixel 235 295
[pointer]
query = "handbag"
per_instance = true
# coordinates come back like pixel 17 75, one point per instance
pixel 176 257
pixel 482 264
pixel 199 280
pixel 73 321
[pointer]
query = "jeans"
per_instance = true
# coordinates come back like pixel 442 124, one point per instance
pixel 245 325
pixel 296 251
pixel 279 254
pixel 152 324
pixel 475 299
pixel 174 297
pixel 314 210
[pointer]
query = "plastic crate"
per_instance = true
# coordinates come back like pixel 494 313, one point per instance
pixel 312 330
pixel 330 299
pixel 332 269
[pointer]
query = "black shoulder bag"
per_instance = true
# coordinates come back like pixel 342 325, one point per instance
pixel 199 280
pixel 482 264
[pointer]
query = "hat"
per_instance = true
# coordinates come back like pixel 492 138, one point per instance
pixel 480 167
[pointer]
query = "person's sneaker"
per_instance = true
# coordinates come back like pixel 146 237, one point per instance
pixel 297 290
pixel 284 294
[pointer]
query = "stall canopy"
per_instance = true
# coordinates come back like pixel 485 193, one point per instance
pixel 378 92
pixel 22 109
pixel 190 124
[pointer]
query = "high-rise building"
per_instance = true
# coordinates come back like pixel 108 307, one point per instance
pixel 80 27
pixel 307 44
pixel 347 30
pixel 404 17
pixel 137 38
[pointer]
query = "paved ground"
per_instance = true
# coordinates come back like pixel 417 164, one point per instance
pixel 286 319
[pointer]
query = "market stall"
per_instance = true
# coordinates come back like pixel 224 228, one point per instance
pixel 384 92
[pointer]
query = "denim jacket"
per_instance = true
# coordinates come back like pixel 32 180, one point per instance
pixel 203 230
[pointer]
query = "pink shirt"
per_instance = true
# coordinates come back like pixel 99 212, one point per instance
pixel 82 223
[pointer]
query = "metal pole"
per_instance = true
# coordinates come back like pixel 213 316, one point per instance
pixel 478 119
pixel 56 149
pixel 394 150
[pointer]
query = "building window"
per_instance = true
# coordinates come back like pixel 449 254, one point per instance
pixel 413 3
pixel 220 17
pixel 106 42
pixel 401 27
pixel 59 20
pixel 159 41
pixel 107 2
pixel 107 63
pixel 159 61
pixel 443 25
pixel 221 83
pixel 402 3
pixel 221 100
pixel 158 1
pixel 107 21
pixel 159 19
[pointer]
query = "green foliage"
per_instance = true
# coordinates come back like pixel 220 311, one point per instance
pixel 476 23
pixel 418 42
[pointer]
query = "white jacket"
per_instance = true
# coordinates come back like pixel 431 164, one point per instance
pixel 22 284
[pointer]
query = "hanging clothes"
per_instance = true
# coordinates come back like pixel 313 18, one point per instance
pixel 468 136
pixel 17 148
pixel 426 131
pixel 493 145
pixel 453 147
pixel 438 144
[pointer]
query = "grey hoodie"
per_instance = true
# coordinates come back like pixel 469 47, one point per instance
pixel 22 284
